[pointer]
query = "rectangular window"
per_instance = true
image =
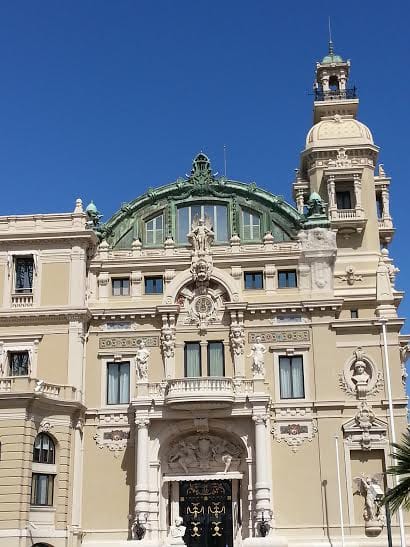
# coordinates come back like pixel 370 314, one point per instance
pixel 215 215
pixel 251 225
pixel 253 280
pixel 154 230
pixel 216 361
pixel 18 363
pixel 153 285
pixel 24 267
pixel 192 357
pixel 343 200
pixel 379 206
pixel 118 383
pixel 291 377
pixel 287 279
pixel 354 314
pixel 121 287
pixel 42 489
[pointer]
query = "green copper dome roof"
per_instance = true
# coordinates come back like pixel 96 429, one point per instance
pixel 331 57
pixel 91 208
pixel 315 195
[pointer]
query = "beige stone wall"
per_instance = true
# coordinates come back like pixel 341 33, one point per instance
pixel 55 284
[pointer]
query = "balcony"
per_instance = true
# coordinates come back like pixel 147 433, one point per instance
pixel 22 300
pixel 347 221
pixel 336 95
pixel 23 385
pixel 202 392
pixel 386 230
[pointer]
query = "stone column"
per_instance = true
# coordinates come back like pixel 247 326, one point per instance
pixel 332 195
pixel 262 479
pixel 141 469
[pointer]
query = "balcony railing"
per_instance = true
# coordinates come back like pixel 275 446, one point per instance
pixel 341 214
pixel 385 223
pixel 209 392
pixel 22 300
pixel 335 95
pixel 25 384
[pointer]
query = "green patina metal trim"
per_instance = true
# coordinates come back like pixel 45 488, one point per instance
pixel 202 185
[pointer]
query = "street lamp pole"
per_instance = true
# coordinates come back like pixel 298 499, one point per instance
pixel 383 322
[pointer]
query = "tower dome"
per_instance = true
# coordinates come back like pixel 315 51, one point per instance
pixel 338 130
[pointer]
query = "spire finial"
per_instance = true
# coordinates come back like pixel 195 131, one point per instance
pixel 330 39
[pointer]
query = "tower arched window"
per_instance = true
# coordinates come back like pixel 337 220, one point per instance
pixel 44 471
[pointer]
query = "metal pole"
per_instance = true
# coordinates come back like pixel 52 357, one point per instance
pixel 383 322
pixel 340 491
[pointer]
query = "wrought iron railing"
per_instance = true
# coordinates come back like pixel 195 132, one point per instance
pixel 335 95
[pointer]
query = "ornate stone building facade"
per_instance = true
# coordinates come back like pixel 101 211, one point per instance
pixel 196 355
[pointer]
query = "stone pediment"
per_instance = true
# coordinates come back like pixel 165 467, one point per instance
pixel 365 429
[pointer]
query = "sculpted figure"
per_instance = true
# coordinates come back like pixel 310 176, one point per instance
pixel 184 455
pixel 370 489
pixel 201 235
pixel 257 353
pixel 237 340
pixel 168 343
pixel 176 532
pixel 360 375
pixel 141 358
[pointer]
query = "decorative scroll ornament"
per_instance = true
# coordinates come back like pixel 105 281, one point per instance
pixel 197 452
pixel 294 427
pixel 360 376
pixel 351 277
pixel 201 306
pixel 373 513
pixel 342 160
pixel 365 430
pixel 115 440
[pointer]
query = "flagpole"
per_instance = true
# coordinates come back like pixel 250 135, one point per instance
pixel 340 491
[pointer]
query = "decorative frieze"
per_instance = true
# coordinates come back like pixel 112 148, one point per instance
pixel 128 342
pixel 280 336
pixel 294 426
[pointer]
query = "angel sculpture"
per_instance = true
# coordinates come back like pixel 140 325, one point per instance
pixel 369 488
pixel 201 235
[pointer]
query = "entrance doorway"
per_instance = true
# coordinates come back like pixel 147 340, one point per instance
pixel 206 507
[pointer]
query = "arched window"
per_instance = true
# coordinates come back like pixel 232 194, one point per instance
pixel 216 213
pixel 251 225
pixel 44 470
pixel 154 230
pixel 44 450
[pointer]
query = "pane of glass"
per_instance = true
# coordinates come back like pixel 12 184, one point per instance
pixel 222 223
pixel 215 359
pixel 149 237
pixel 124 383
pixel 258 281
pixel 158 285
pixel 195 213
pixel 297 377
pixel 113 383
pixel 159 222
pixel 209 212
pixel 116 287
pixel 192 360
pixel 247 232
pixel 282 280
pixel 256 232
pixel 24 274
pixel 183 224
pixel 42 489
pixel 248 281
pixel 125 287
pixel 158 236
pixel 292 279
pixel 150 225
pixel 285 379
pixel 246 218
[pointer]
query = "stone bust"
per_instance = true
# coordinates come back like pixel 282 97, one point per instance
pixel 176 532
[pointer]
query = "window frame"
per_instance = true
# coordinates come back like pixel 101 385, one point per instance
pixel 354 313
pixel 252 213
pixel 202 205
pixel 121 280
pixel 50 488
pixel 254 273
pixel 154 218
pixel 291 357
pixel 286 273
pixel 108 363
pixel 186 344
pixel 208 358
pixel 343 193
pixel 16 258
pixel 51 451
pixel 18 352
pixel 153 278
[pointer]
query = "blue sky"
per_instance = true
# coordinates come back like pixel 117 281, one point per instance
pixel 103 99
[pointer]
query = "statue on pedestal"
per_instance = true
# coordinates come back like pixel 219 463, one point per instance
pixel 176 533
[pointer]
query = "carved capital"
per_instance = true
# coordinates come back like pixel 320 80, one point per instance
pixel 141 422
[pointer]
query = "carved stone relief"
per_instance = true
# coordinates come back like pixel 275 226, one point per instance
pixel 365 431
pixel 201 306
pixel 128 342
pixel 141 362
pixel 113 432
pixel 294 426
pixel 373 513
pixel 360 376
pixel 351 277
pixel 199 452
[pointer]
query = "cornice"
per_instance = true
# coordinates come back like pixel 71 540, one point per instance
pixel 41 315
pixel 360 324
pixel 46 237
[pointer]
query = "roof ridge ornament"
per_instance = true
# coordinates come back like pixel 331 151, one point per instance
pixel 201 173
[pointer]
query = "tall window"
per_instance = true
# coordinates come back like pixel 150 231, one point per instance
pixel 291 380
pixel 118 383
pixel 192 357
pixel 154 230
pixel 18 363
pixel 42 480
pixel 216 362
pixel 153 285
pixel 343 200
pixel 253 280
pixel 251 225
pixel 24 267
pixel 217 214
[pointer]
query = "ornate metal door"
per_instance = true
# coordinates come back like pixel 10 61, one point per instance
pixel 206 507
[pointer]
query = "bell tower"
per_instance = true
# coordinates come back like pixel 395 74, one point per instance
pixel 331 87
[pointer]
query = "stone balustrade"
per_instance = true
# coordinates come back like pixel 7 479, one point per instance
pixel 21 300
pixel 24 384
